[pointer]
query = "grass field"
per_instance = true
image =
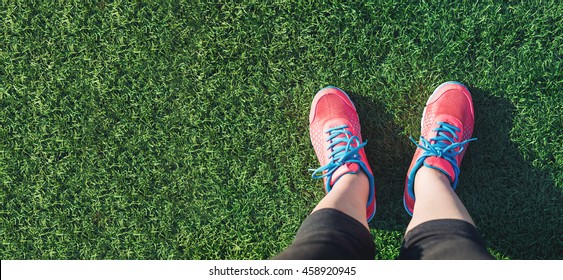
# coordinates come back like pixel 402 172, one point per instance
pixel 133 130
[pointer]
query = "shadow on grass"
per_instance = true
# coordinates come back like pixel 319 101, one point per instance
pixel 389 153
pixel 514 205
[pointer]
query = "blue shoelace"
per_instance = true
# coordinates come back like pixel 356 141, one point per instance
pixel 341 154
pixel 445 145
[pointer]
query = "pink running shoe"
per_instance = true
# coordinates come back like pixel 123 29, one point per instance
pixel 446 127
pixel 335 134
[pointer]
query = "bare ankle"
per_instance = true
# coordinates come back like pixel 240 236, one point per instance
pixel 357 179
pixel 426 173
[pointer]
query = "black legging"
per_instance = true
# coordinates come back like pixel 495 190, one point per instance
pixel 331 234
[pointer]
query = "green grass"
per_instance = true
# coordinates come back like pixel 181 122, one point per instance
pixel 134 130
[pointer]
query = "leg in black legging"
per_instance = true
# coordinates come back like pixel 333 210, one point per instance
pixel 330 234
pixel 444 239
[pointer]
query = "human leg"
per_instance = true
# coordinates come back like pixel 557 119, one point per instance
pixel 349 195
pixel 441 227
pixel 435 199
pixel 337 227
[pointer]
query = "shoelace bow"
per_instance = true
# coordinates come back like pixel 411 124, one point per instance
pixel 445 144
pixel 341 154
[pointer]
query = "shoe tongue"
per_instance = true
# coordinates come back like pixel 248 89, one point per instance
pixel 439 163
pixel 346 168
pixel 442 165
